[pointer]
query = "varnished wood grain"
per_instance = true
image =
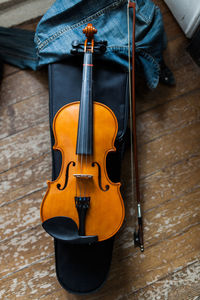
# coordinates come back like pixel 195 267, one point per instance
pixel 175 54
pixel 20 215
pixel 128 272
pixel 30 282
pixel 24 146
pixel 181 285
pixel 169 149
pixel 23 114
pixel 171 182
pixel 171 27
pixel 135 270
pixel 165 119
pixel 187 79
pixel 9 70
pixel 22 85
pixel 19 254
pixel 32 174
pixel 65 128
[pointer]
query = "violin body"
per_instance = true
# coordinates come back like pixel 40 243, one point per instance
pixel 82 205
pixel 85 175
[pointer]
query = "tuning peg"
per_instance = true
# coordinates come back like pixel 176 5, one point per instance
pixel 76 51
pixel 75 44
pixel 103 42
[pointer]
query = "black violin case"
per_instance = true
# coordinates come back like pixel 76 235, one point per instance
pixel 84 268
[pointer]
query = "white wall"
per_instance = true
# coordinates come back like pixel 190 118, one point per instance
pixel 187 13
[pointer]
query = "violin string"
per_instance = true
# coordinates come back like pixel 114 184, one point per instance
pixel 130 100
pixel 87 125
pixel 86 140
pixel 86 137
pixel 83 129
pixel 81 173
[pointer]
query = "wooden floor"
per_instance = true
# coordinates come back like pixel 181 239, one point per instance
pixel 169 145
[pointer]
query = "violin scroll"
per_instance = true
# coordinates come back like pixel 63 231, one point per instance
pixel 89 31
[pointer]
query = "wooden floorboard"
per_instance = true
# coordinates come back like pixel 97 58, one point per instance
pixel 168 125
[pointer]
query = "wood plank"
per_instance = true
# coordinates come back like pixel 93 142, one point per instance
pixel 132 272
pixel 171 219
pixel 168 149
pixel 151 124
pixel 128 273
pixel 165 118
pixel 30 283
pixel 22 11
pixel 171 27
pixel 180 285
pixel 187 79
pixel 7 177
pixel 9 70
pixel 30 24
pixel 24 114
pixel 176 55
pixel 18 116
pixel 178 175
pixel 20 215
pixel 170 183
pixel 168 218
pixel 157 153
pixel 61 294
pixel 24 146
pixel 24 249
pixel 23 85
pixel 161 4
pixel 25 179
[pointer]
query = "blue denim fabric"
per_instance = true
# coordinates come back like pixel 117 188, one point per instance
pixel 64 22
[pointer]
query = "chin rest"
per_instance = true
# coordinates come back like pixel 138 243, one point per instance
pixel 66 230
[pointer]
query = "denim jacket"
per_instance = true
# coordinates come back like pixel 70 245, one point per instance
pixel 64 22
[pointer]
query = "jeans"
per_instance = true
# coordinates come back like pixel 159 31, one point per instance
pixel 64 22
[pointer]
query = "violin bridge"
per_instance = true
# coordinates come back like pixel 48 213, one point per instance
pixel 83 176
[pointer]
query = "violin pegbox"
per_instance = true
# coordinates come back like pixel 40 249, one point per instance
pixel 78 47
pixel 89 31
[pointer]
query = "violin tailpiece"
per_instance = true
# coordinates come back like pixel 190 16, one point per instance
pixel 82 205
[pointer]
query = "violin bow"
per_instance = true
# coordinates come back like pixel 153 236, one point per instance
pixel 138 235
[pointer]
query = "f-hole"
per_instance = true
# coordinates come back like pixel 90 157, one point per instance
pixel 99 177
pixel 66 176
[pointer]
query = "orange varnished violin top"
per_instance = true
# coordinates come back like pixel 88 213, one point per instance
pixel 85 133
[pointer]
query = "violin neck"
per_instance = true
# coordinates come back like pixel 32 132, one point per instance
pixel 85 124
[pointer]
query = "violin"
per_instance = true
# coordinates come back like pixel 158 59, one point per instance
pixel 83 194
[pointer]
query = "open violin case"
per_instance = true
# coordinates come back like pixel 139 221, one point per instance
pixel 84 268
